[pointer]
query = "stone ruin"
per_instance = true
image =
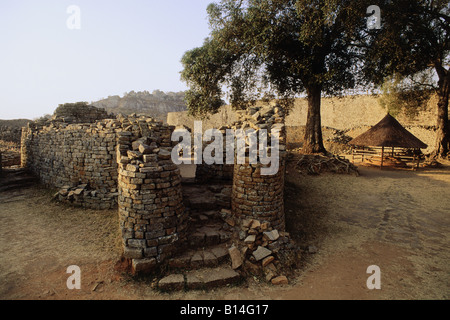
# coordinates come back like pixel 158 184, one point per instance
pixel 230 218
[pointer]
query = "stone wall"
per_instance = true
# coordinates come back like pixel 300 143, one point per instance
pixel 81 159
pixel 257 196
pixel 210 173
pixel 63 154
pixel 127 160
pixel 353 115
pixel 10 134
pixel 151 212
pixel 10 158
pixel 339 113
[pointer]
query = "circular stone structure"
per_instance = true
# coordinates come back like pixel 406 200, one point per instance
pixel 259 197
pixel 152 216
pixel 255 195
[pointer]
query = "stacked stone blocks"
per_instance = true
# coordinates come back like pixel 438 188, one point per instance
pixel 258 196
pixel 127 160
pixel 151 211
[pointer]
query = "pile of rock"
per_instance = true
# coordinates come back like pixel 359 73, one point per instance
pixel 257 118
pixel 85 197
pixel 258 249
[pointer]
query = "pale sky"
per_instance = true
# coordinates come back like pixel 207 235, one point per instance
pixel 120 46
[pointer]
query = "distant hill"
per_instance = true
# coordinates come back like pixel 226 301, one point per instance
pixel 156 104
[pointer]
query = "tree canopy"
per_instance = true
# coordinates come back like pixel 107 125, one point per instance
pixel 414 41
pixel 278 49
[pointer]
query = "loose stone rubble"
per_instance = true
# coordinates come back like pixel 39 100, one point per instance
pixel 257 249
pixel 85 197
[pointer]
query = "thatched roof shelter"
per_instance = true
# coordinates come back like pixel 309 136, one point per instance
pixel 388 133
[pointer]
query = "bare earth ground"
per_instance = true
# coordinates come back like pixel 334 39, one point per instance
pixel 397 220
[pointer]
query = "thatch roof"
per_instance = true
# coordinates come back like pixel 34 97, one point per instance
pixel 388 133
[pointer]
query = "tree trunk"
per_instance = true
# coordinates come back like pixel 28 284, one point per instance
pixel 313 135
pixel 443 132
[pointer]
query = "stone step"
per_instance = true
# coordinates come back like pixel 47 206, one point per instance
pixel 211 278
pixel 212 256
pixel 201 218
pixel 206 278
pixel 208 235
pixel 200 202
pixel 206 197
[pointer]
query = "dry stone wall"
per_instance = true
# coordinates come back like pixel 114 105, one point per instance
pixel 211 173
pixel 258 196
pixel 10 134
pixel 81 158
pixel 351 114
pixel 151 212
pixel 67 155
pixel 340 113
pixel 127 162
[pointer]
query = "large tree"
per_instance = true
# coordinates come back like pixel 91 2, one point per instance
pixel 278 49
pixel 415 39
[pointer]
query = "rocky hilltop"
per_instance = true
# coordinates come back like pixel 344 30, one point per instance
pixel 156 104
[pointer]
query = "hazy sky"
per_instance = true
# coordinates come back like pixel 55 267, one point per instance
pixel 120 46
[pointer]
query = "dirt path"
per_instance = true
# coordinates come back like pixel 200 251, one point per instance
pixel 397 220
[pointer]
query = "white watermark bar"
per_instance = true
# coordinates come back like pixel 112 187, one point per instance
pixel 248 146
pixel 74 281
pixel 73 22
pixel 374 20
pixel 374 281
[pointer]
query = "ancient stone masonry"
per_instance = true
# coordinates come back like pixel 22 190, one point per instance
pixel 79 158
pixel 10 134
pixel 151 211
pixel 257 196
pixel 67 155
pixel 217 172
pixel 230 212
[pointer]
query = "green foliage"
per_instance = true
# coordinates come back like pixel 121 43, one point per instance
pixel 415 37
pixel 278 48
pixel 398 96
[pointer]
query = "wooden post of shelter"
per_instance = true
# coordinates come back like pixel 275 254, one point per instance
pixel 418 158
pixel 382 157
